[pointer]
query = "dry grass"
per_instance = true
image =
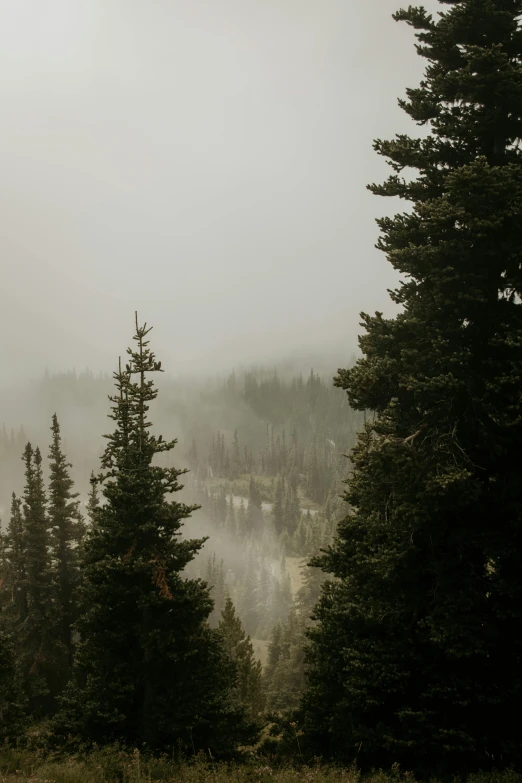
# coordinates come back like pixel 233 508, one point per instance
pixel 112 765
pixel 119 767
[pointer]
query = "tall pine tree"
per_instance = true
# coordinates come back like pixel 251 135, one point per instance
pixel 278 507
pixel 38 647
pixel 248 691
pixel 67 529
pixel 149 669
pixel 417 656
pixel 13 587
pixel 93 501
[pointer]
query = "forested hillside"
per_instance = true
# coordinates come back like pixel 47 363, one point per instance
pixel 249 416
pixel 265 451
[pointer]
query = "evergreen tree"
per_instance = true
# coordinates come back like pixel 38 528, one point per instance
pixel 241 518
pixel 38 648
pixel 248 692
pixel 12 698
pixel 13 588
pixel 230 521
pixel 236 456
pixel 93 501
pixel 278 507
pixel 254 510
pixel 215 579
pixel 285 678
pixel 248 599
pixel 67 531
pixel 274 652
pixel 293 511
pixel 417 657
pixel 149 669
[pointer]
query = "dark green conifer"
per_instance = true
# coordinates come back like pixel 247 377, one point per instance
pixel 417 657
pixel 93 501
pixel 294 511
pixel 278 507
pixel 150 671
pixel 237 462
pixel 254 510
pixel 274 651
pixel 67 529
pixel 37 645
pixel 284 677
pixel 12 697
pixel 230 521
pixel 247 692
pixel 215 579
pixel 13 587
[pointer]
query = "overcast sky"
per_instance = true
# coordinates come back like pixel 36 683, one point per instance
pixel 202 161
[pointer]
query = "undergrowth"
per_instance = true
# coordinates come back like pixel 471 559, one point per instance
pixel 116 765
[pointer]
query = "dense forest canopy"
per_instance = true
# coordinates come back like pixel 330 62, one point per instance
pixel 247 402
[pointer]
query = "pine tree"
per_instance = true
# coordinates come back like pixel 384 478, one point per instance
pixel 93 501
pixel 248 692
pixel 417 657
pixel 236 456
pixel 12 697
pixel 215 579
pixel 248 601
pixel 254 510
pixel 37 646
pixel 284 677
pixel 274 652
pixel 13 588
pixel 278 507
pixel 241 518
pixel 230 521
pixel 149 669
pixel 67 528
pixel 294 511
pixel 315 485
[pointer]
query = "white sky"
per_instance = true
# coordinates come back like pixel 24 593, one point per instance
pixel 202 161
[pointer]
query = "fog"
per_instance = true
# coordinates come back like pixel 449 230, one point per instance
pixel 202 161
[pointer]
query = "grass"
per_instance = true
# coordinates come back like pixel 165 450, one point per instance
pixel 113 765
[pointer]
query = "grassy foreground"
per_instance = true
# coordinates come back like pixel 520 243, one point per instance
pixel 112 765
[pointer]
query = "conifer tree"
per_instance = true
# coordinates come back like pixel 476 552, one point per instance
pixel 417 657
pixel 12 697
pixel 149 669
pixel 254 510
pixel 236 456
pixel 67 528
pixel 230 521
pixel 13 588
pixel 274 652
pixel 248 691
pixel 284 677
pixel 37 645
pixel 215 579
pixel 293 511
pixel 241 518
pixel 93 501
pixel 278 507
